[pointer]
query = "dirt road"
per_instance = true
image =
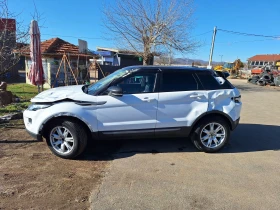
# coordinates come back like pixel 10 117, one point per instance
pixel 33 178
pixel 171 174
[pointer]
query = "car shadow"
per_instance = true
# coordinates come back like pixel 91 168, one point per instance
pixel 246 138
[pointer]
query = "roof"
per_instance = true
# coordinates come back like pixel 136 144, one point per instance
pixel 267 57
pixel 56 46
pixel 189 68
pixel 119 51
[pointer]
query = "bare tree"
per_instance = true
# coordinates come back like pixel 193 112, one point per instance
pixel 149 27
pixel 12 35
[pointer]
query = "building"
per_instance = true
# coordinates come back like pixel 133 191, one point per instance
pixel 113 59
pixel 8 36
pixel 52 51
pixel 263 60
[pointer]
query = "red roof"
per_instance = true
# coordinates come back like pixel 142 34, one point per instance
pixel 8 24
pixel 56 46
pixel 272 57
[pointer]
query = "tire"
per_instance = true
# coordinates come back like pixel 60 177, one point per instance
pixel 266 77
pixel 255 77
pixel 71 130
pixel 254 81
pixel 277 81
pixel 261 83
pixel 198 134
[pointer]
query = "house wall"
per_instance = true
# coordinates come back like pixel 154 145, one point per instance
pixel 46 67
pixel 51 66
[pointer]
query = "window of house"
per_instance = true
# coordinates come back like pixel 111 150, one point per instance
pixel 257 63
pixel 178 81
pixel 252 63
pixel 261 63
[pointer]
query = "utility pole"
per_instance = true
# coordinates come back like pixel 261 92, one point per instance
pixel 221 58
pixel 212 47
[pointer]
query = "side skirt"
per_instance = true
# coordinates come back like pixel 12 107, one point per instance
pixel 143 133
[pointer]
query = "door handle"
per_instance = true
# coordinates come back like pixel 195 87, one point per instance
pixel 196 95
pixel 147 99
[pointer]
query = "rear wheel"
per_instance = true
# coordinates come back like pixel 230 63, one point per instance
pixel 66 139
pixel 211 134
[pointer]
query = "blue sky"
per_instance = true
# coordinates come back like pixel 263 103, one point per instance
pixel 69 19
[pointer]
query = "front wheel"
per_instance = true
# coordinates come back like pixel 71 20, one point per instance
pixel 211 135
pixel 66 139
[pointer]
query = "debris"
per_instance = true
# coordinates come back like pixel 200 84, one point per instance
pixel 14 116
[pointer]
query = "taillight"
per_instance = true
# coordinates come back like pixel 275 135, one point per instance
pixel 237 99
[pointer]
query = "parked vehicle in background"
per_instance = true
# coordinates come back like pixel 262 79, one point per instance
pixel 137 102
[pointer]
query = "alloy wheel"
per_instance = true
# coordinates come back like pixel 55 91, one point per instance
pixel 212 135
pixel 61 140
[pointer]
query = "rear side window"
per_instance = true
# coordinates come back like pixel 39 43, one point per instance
pixel 178 81
pixel 210 83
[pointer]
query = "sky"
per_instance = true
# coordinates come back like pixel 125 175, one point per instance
pixel 72 19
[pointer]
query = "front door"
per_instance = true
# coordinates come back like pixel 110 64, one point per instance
pixel 133 113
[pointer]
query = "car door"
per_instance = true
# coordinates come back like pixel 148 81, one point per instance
pixel 133 113
pixel 181 100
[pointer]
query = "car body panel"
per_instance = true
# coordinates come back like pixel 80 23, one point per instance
pixel 128 112
pixel 85 113
pixel 221 100
pixel 178 109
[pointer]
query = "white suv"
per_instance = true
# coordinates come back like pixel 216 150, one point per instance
pixel 137 102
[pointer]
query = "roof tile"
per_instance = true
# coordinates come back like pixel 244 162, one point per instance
pixel 271 57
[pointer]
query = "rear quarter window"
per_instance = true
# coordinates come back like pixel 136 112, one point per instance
pixel 209 81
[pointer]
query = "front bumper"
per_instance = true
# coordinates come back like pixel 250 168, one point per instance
pixel 38 137
pixel 235 123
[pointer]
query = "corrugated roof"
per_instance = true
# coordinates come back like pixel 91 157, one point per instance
pixel 271 57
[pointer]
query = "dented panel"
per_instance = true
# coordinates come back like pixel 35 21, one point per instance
pixel 222 100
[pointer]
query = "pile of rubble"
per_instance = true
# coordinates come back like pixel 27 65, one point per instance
pixel 267 77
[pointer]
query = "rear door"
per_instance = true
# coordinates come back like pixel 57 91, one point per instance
pixel 181 100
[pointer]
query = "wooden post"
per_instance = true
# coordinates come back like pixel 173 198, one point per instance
pixel 71 70
pixel 58 70
pixel 65 71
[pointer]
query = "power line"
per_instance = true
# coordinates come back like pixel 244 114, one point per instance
pixel 71 36
pixel 202 33
pixel 248 34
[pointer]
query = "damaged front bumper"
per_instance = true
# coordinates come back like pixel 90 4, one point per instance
pixel 38 137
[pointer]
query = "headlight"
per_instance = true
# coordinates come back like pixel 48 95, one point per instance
pixel 35 107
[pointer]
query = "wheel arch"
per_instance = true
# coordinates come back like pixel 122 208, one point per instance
pixel 213 113
pixel 48 121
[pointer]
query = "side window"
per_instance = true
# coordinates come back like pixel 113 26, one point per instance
pixel 139 83
pixel 178 81
pixel 210 83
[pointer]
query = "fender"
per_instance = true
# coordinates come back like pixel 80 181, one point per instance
pixel 66 114
pixel 232 123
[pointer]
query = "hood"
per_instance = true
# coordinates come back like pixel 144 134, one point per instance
pixel 60 93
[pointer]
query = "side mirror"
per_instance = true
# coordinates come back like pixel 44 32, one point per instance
pixel 115 91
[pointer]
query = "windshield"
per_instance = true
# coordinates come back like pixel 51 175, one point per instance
pixel 92 89
pixel 228 65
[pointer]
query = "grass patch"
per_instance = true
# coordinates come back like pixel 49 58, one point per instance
pixel 23 91
pixel 12 108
